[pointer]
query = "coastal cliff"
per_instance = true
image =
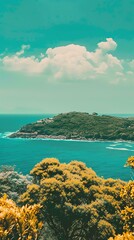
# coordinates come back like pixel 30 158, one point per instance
pixel 81 126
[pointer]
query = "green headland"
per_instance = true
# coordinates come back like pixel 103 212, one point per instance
pixel 80 126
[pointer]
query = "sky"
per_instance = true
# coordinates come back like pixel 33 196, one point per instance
pixel 61 56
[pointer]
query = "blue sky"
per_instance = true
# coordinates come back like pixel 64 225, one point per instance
pixel 58 56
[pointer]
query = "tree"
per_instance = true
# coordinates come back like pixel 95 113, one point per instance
pixel 76 204
pixel 127 195
pixel 19 223
pixel 130 163
pixel 127 207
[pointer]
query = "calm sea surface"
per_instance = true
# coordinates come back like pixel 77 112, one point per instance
pixel 106 158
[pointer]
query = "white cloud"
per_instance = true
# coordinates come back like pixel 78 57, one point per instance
pixel 72 62
pixel 132 64
pixel 110 44
pixel 23 48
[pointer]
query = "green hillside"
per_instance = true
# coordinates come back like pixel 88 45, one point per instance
pixel 77 125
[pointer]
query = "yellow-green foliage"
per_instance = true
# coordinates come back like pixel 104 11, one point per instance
pixel 127 195
pixel 130 162
pixel 73 202
pixel 127 207
pixel 76 204
pixel 124 236
pixel 19 223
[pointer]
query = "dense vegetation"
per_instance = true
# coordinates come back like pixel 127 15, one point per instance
pixel 19 223
pixel 75 125
pixel 67 202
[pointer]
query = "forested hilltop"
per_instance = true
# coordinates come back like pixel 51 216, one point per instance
pixel 82 126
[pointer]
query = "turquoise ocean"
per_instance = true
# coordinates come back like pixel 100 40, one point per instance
pixel 106 158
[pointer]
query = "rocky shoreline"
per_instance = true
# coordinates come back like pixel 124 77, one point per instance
pixel 59 137
pixel 34 135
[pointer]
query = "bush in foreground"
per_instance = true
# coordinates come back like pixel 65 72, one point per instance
pixel 66 201
pixel 17 223
pixel 76 204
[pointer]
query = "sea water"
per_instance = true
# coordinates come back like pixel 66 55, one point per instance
pixel 107 159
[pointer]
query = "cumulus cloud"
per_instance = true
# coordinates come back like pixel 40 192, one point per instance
pixel 110 44
pixel 72 62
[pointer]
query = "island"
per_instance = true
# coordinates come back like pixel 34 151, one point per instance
pixel 79 126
